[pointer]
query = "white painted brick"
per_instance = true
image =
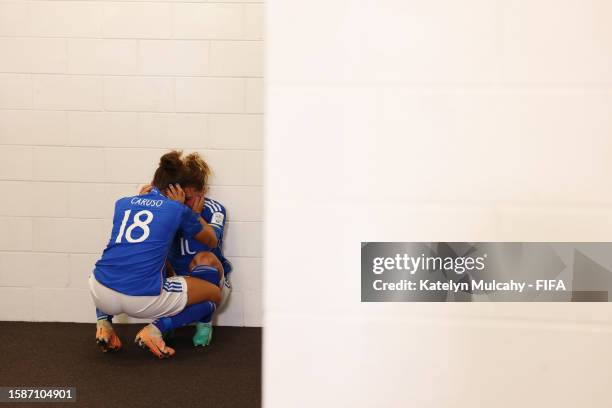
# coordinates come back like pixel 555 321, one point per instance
pixel 16 163
pixel 243 203
pixel 243 239
pixel 131 165
pixel 161 57
pixel 134 20
pixel 228 167
pixel 139 94
pixel 232 313
pixel 210 95
pixel 112 129
pixel 15 269
pixel 236 132
pixel 247 274
pixel 253 312
pixel 49 270
pixel 253 167
pixel 173 130
pixel 20 234
pixel 90 200
pixel 67 92
pixel 33 127
pixel 13 18
pixel 574 47
pixel 49 199
pixel 68 164
pixel 45 55
pixel 19 201
pixel 96 200
pixel 236 58
pixel 65 18
pixel 86 130
pixel 16 91
pixel 71 235
pixel 254 95
pixel 97 56
pixel 223 21
pixel 118 191
pixel 63 305
pixel 254 22
pixel 16 304
pixel 81 266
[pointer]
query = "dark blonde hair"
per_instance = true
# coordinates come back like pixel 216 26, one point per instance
pixel 197 171
pixel 188 171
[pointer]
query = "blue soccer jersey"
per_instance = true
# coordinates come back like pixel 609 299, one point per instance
pixel 184 248
pixel 144 228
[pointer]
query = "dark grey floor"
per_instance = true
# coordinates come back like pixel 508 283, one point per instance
pixel 225 374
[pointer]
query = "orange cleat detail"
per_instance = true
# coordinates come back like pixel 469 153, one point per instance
pixel 150 338
pixel 106 338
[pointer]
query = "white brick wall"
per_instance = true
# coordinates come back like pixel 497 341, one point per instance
pixel 442 120
pixel 91 94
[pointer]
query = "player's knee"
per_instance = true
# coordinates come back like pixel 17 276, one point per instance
pixel 203 258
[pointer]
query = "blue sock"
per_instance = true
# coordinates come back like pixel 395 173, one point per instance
pixel 207 318
pixel 190 314
pixel 103 316
pixel 209 274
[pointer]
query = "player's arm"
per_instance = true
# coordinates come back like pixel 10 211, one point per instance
pixel 192 224
pixel 207 236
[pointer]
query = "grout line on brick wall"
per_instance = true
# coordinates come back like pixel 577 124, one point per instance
pixel 151 1
pixel 231 149
pixel 130 111
pixel 134 38
pixel 139 76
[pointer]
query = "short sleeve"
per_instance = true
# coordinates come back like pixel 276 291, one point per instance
pixel 190 222
pixel 214 214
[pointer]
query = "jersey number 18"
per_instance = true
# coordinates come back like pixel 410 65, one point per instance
pixel 137 222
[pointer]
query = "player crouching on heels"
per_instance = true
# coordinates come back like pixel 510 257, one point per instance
pixel 131 277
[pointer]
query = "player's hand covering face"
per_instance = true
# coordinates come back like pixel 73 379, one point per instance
pixel 198 203
pixel 176 193
pixel 194 199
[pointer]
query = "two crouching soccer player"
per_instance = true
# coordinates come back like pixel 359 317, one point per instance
pixel 131 276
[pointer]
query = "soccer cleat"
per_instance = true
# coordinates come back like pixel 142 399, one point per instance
pixel 106 338
pixel 203 335
pixel 151 338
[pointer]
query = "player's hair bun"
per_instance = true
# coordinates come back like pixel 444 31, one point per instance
pixel 171 162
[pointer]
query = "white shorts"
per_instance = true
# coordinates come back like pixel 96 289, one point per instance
pixel 171 300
